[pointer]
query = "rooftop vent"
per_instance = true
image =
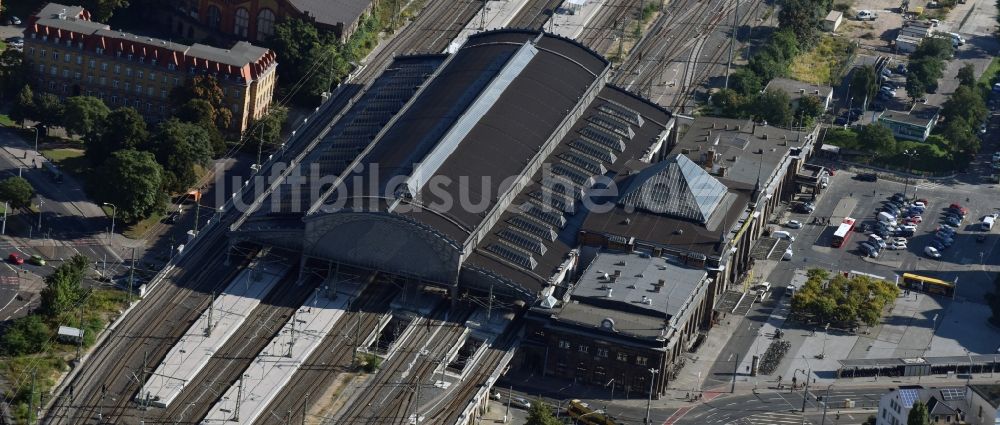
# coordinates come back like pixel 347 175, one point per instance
pixel 609 292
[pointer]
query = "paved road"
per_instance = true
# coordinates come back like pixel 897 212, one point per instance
pixel 770 406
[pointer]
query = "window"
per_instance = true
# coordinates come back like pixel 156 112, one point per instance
pixel 622 357
pixel 177 81
pixel 104 81
pixel 99 51
pixel 31 51
pixel 640 360
pixel 118 69
pixel 138 88
pixel 79 60
pixel 114 83
pixel 65 72
pixel 602 352
pixel 213 17
pixel 67 57
pixel 76 75
pixel 69 43
pixel 161 109
pixel 163 94
pixel 136 104
pixel 265 24
pixel 65 88
pixel 41 68
pixel 171 66
pixel 128 86
pixel 242 22
pixel 42 55
pixel 91 64
pixel 130 57
pixel 114 100
pixel 90 79
pixel 118 53
pixel 583 349
pixel 152 76
pixel 142 59
pixel 150 91
pixel 128 72
pixel 52 85
pixel 100 95
pixel 55 55
pixel 104 66
pixel 564 344
pixel 139 74
pixel 153 62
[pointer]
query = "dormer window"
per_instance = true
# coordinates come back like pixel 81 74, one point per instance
pixel 45 38
pixel 153 62
pixel 118 53
pixel 142 59
pixel 99 51
pixel 171 66
pixel 69 43
pixel 129 56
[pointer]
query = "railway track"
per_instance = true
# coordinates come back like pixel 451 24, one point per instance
pixel 430 32
pixel 334 356
pixel 226 366
pixel 605 28
pixel 457 402
pixel 534 14
pixel 110 375
pixel 385 401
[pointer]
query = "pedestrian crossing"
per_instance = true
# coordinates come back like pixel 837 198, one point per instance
pixel 771 418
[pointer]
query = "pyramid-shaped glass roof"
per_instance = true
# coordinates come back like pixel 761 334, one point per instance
pixel 675 187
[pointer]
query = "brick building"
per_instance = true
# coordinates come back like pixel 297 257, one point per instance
pixel 69 55
pixel 254 20
pixel 626 314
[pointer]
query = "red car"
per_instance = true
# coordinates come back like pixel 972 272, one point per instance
pixel 833 171
pixel 913 220
pixel 924 200
pixel 15 258
pixel 955 206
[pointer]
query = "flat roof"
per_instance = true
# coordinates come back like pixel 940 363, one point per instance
pixel 637 286
pixel 989 392
pixel 921 115
pixel 796 89
pixel 332 12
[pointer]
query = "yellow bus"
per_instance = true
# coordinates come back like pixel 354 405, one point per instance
pixel 926 284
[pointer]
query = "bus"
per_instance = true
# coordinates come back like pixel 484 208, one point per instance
pixel 926 284
pixel 843 232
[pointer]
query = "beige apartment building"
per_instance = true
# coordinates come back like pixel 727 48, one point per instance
pixel 70 55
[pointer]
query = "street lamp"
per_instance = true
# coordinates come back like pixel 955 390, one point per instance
pixel 910 153
pixel 114 212
pixel 652 381
pixel 826 401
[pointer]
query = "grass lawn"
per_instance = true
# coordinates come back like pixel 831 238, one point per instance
pixel 138 230
pixel 990 72
pixel 6 121
pixel 822 64
pixel 71 161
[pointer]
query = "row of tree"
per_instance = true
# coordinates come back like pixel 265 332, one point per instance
pixel 841 301
pixel 927 64
pixel 62 294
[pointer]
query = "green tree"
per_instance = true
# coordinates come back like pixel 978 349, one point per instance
pixel 48 109
pixel 939 47
pixel 26 335
pixel 809 108
pixel 767 66
pixel 13 73
pixel 960 135
pixel 918 414
pixel 17 191
pixel 207 88
pixel 541 414
pixel 877 138
pixel 773 106
pixel 915 87
pixel 841 137
pixel 967 75
pixel 133 181
pixel 310 57
pixel 966 102
pixel 24 105
pixel 122 129
pixel 83 114
pixel 179 147
pixel 102 10
pixel 729 103
pixel 801 17
pixel 63 287
pixel 266 133
pixel 784 41
pixel 745 82
pixel 864 83
pixel 201 112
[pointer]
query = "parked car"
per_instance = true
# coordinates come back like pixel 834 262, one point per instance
pixel 867 177
pixel 15 258
pixel 36 260
pixel 952 222
pixel 901 69
pixel 14 20
pixel 793 224
pixel 520 402
pixel 866 15
pixel 937 245
pixel 869 249
pixel 804 208
pixel 896 245
pixel 906 233
pixel 932 252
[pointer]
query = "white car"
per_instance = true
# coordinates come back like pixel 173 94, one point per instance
pixel 793 224
pixel 866 15
pixel 896 245
pixel 932 252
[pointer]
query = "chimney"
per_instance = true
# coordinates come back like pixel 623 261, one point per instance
pixel 710 159
pixel 609 292
pixel 661 282
pixel 802 91
pixel 618 273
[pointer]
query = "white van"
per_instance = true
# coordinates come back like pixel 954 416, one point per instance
pixel 886 217
pixel 875 239
pixel 988 222
pixel 781 234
